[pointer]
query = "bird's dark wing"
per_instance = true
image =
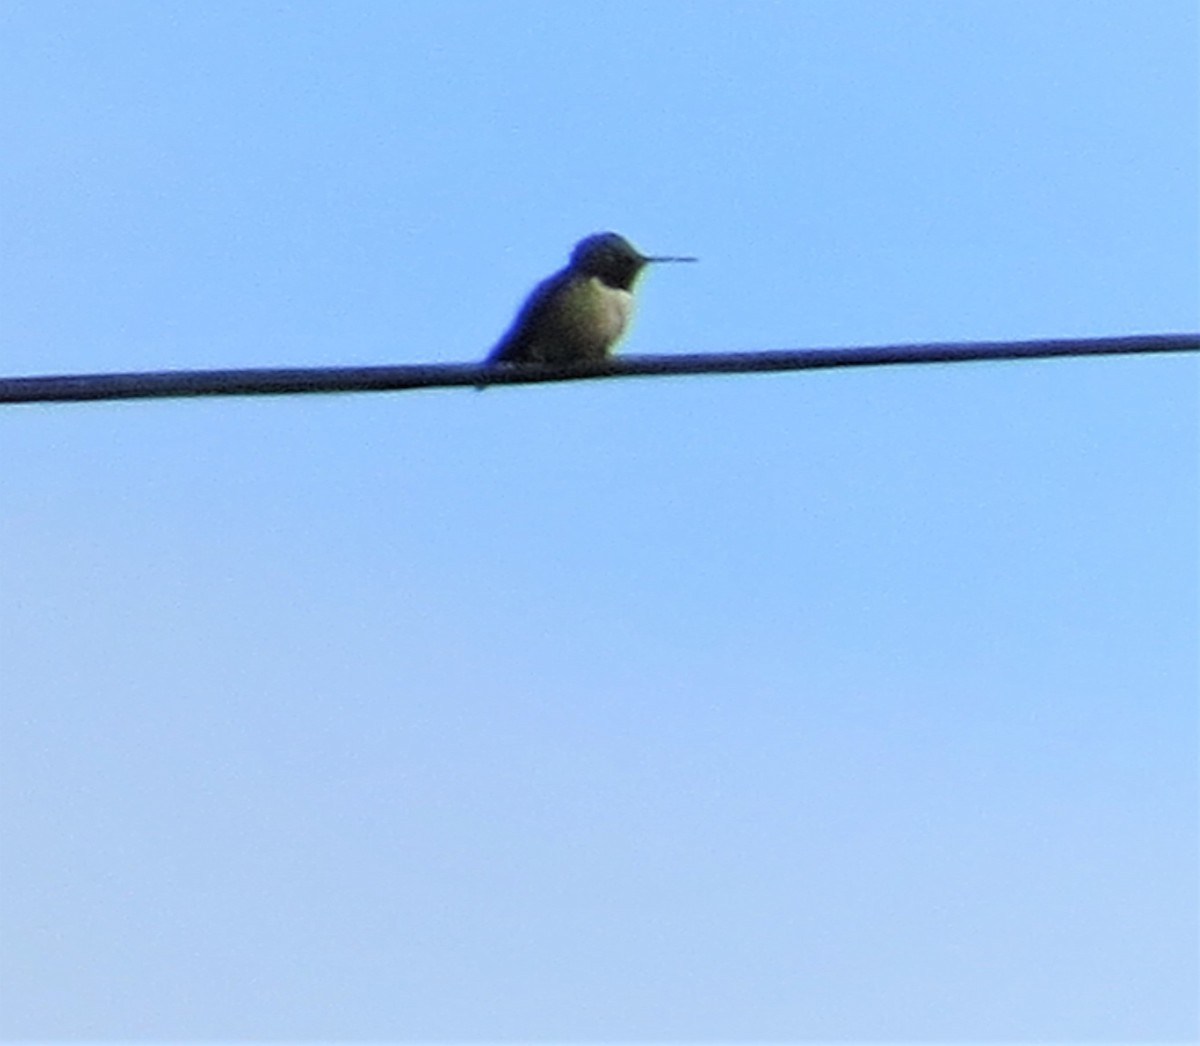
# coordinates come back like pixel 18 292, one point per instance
pixel 520 341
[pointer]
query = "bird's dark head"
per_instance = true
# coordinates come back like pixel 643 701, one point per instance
pixel 612 259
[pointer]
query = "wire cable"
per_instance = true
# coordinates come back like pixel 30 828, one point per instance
pixel 276 381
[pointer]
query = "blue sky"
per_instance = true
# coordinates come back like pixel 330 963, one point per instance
pixel 809 707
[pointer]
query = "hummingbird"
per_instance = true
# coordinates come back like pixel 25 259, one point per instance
pixel 580 312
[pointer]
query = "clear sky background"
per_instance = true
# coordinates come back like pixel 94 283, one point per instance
pixel 831 706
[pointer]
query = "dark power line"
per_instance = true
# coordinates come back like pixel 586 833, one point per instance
pixel 274 381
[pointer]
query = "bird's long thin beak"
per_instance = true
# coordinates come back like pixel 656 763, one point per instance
pixel 670 258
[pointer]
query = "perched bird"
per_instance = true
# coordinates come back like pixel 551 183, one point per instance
pixel 580 312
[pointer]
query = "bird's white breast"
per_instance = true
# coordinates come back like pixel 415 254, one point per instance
pixel 602 316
